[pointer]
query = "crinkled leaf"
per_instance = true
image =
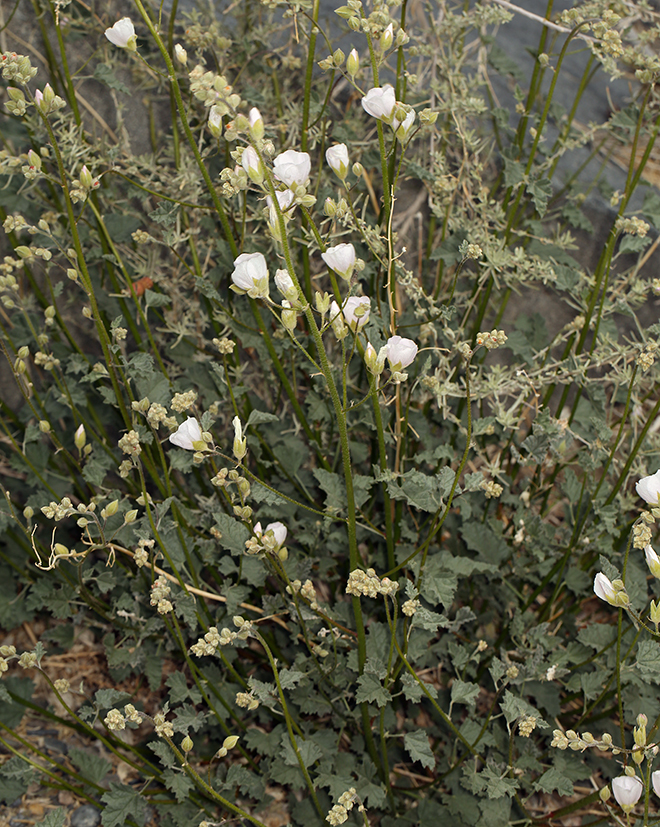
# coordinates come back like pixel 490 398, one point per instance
pixel 418 748
pixel 464 692
pixel 178 783
pixel 371 690
pixel 121 803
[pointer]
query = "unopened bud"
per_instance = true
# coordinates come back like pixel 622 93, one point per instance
pixel 187 744
pixel 131 516
pixel 80 438
pixel 353 63
pixel 230 742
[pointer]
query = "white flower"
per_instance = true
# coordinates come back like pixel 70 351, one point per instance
pixel 627 790
pixel 215 121
pixel 285 285
pixel 356 311
pixel 400 352
pixel 337 320
pixel 652 561
pixel 256 123
pixel 187 434
pixel 251 163
pixel 278 530
pixel 292 167
pixel 613 593
pixel 603 588
pixel 655 780
pixel 240 442
pixel 648 488
pixel 379 102
pixel 341 259
pixel 337 158
pixel 122 34
pixel 403 129
pixel 250 275
pixel 284 199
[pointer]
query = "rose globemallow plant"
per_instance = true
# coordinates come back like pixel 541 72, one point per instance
pixel 627 790
pixel 251 275
pixel 338 161
pixel 341 259
pixel 380 102
pixel 354 312
pixel 122 34
pixel 400 352
pixel 292 167
pixel 648 488
pixel 188 435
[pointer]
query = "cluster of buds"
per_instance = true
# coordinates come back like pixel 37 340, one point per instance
pixel 339 813
pixel 578 743
pixel 58 511
pixel 33 251
pixel 339 209
pixel 646 357
pixel 268 541
pixel 7 652
pixel 47 102
pixel 229 743
pixel 306 590
pixel 491 488
pixel 632 226
pixel 207 645
pixel 164 729
pixel 247 700
pixel 17 67
pixel 117 721
pixel 160 591
pixel 368 583
pixel 130 444
pixel 212 639
pixel 213 90
pixel 642 532
pixel 141 554
pixel 83 185
pixel 492 339
pixel 527 725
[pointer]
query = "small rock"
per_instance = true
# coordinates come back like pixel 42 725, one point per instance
pixel 55 745
pixel 86 816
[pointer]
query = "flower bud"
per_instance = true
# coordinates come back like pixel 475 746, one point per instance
pixel 329 208
pixel 605 794
pixel 180 54
pixel 86 178
pixel 353 63
pixel 358 169
pixel 386 38
pixel 338 57
pixel 131 516
pixel 289 317
pixel 34 160
pixel 80 438
pixel 44 426
pixel 256 124
pixel 230 742
pixel 187 744
pixel 28 512
pixel 240 442
pixel 61 550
